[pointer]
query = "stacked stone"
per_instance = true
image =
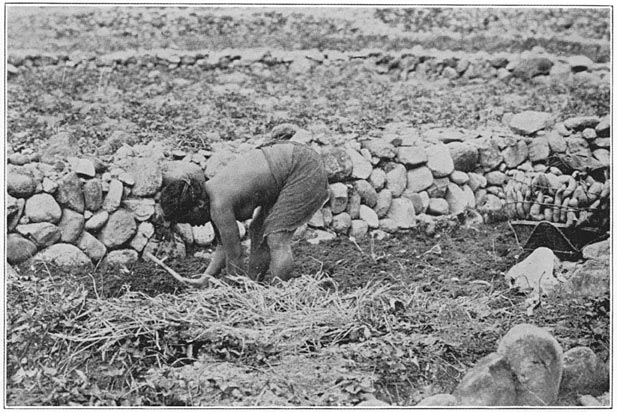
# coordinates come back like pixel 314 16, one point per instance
pixel 417 61
pixel 86 209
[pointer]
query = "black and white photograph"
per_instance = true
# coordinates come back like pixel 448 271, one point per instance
pixel 294 206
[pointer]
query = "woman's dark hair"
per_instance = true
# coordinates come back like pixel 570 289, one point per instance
pixel 185 201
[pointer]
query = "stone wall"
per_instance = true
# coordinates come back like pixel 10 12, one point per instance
pixel 424 63
pixel 79 210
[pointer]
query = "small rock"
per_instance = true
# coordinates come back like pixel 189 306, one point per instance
pixel 583 372
pixel 581 122
pixel 444 135
pixel 121 258
pixel 377 179
pixel 536 359
pixel 592 278
pixel 18 159
pixel 353 204
pixel 341 223
pixel 556 142
pixel 402 212
pixel 361 167
pixel 489 383
pixel 589 134
pixel 529 122
pixel 416 199
pixel 120 227
pixel 126 179
pixel 396 179
pixel 59 146
pixel 65 256
pixel 70 193
pixel 456 198
pixel 20 185
pixel 457 177
pixel 14 211
pixel 359 229
pixel 438 206
pixel 384 200
pixel 531 67
pixel 411 156
pixel 441 399
pixel 515 154
pixel 317 220
pixel 43 234
pixel 476 181
pixel 148 176
pixel 93 195
pixel 338 197
pixel 589 401
pixel 113 199
pixel 91 246
pixel 185 231
pixel 369 216
pixel 489 154
pixel 49 186
pixel 204 234
pixel 380 148
pixel 97 221
pixel 18 249
pixel 42 207
pixel 388 225
pixel 539 149
pixel 321 236
pixel 145 230
pixel 142 208
pixel 603 128
pixel 419 179
pixel 367 192
pixel 599 250
pixel 71 225
pixel 496 178
pixel 439 160
pixel 439 188
pixel 337 163
pixel 83 167
pixel 580 63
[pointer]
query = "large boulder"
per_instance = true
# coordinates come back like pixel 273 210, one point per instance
pixel 536 360
pixel 119 229
pixel 70 193
pixel 489 383
pixel 592 278
pixel 65 256
pixel 42 207
pixel 18 249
